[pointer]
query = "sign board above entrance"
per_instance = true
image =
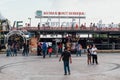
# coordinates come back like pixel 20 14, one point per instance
pixel 63 13
pixel 55 13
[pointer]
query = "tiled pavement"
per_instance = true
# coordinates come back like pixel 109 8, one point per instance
pixel 37 68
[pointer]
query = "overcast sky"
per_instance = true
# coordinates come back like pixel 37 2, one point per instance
pixel 105 10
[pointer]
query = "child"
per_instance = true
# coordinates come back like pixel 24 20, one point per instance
pixel 50 51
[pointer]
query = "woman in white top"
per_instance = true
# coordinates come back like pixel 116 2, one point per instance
pixel 94 54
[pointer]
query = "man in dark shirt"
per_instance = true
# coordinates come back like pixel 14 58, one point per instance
pixel 26 49
pixel 66 56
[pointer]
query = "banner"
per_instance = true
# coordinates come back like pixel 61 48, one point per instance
pixel 33 44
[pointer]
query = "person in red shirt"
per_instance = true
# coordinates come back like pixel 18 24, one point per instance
pixel 60 48
pixel 50 51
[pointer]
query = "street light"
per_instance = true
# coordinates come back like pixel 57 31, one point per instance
pixel 29 21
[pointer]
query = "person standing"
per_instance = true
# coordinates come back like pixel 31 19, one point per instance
pixel 26 49
pixel 50 51
pixel 66 57
pixel 94 54
pixel 39 49
pixel 8 50
pixel 14 49
pixel 68 44
pixel 78 48
pixel 60 47
pixel 89 47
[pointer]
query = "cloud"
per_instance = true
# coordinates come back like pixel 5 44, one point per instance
pixel 107 10
pixel 65 4
pixel 1 17
pixel 94 9
pixel 4 2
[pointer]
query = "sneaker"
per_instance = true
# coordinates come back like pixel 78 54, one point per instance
pixel 97 63
pixel 65 74
pixel 69 73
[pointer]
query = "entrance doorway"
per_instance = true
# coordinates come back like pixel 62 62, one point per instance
pixel 16 36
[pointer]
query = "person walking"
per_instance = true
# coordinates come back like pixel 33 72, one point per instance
pixel 94 54
pixel 66 57
pixel 44 49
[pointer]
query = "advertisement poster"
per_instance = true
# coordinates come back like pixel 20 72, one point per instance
pixel 33 44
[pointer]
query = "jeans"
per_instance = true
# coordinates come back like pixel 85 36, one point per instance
pixel 50 54
pixel 8 52
pixel 94 58
pixel 78 53
pixel 44 53
pixel 66 67
pixel 15 52
pixel 60 50
pixel 25 52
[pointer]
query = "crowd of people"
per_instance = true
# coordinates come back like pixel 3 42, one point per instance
pixel 12 48
pixel 65 50
pixel 66 56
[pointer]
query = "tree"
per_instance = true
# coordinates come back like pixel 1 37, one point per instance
pixel 5 24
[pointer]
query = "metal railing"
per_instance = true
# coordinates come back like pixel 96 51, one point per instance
pixel 69 28
pixel 112 46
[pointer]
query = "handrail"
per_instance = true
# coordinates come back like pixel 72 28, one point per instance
pixel 69 28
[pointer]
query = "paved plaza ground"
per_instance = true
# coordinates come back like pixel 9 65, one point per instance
pixel 37 68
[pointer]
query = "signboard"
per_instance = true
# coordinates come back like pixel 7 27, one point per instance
pixel 63 13
pixel 38 13
pixel 46 13
pixel 18 24
pixel 49 15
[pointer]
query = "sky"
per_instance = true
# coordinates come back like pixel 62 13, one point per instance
pixel 20 10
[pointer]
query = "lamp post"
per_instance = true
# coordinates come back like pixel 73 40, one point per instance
pixel 29 21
